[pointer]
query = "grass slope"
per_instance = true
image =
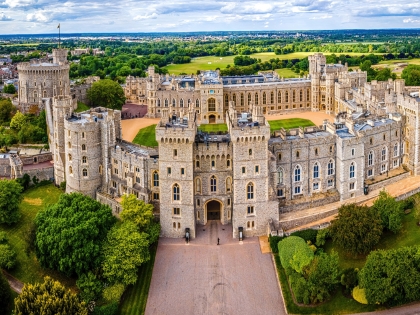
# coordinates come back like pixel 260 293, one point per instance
pixel 146 136
pixel 289 123
pixel 28 269
pixel 135 296
pixel 81 107
pixel 213 127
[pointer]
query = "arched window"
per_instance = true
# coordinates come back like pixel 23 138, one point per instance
pixel 84 159
pixel 176 192
pixel 69 145
pixel 181 103
pixel 264 98
pixel 197 103
pixel 242 99
pixel 249 98
pixel 158 102
pixel 198 185
pixel 370 158
pixel 70 157
pixel 286 97
pixel 213 182
pixel 155 179
pixel 228 163
pixel 279 156
pixel 316 170
pixel 352 167
pixel 300 95
pixel 173 102
pixel 83 147
pixel 250 191
pixel 226 100
pixel 297 173
pixel 272 98
pixel 166 102
pixel 85 172
pixel 228 184
pixel 279 176
pixel 330 167
pixel 211 105
pixel 396 150
pixel 279 97
pixel 383 154
pixel 213 161
pixel 70 170
pixel 256 98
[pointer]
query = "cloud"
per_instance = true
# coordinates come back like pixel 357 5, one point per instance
pixel 4 17
pixel 410 20
pixel 389 10
pixel 146 17
pixel 18 3
pixel 38 16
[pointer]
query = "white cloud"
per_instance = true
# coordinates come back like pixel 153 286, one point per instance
pixel 38 16
pixel 146 17
pixel 410 20
pixel 18 3
pixel 4 17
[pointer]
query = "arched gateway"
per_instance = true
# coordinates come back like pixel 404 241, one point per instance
pixel 214 209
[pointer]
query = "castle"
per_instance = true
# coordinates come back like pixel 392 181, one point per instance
pixel 247 176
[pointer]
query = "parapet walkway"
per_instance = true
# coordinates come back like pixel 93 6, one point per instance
pixel 300 220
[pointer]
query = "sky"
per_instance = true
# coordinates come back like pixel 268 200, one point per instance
pixel 87 16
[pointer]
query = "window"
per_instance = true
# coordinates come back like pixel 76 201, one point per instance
pixel 182 171
pixel 197 163
pixel 316 170
pixel 351 186
pixel 83 147
pixel 155 179
pixel 384 137
pixel 70 170
pixel 228 185
pixel 84 159
pixel 370 172
pixel 383 154
pixel 213 162
pixel 371 141
pixel 279 97
pixel 250 224
pixel 395 163
pixel 226 100
pixel 228 202
pixel 177 211
pixel 279 176
pixel 181 103
pixel 330 183
pixel 198 202
pixel 250 210
pixel 85 172
pixel 175 152
pixel 256 98
pixel 138 179
pixel 280 193
pixel 316 151
pixel 227 163
pixel 155 196
pixel 257 169
pixel 331 148
pixel 242 99
pixel 264 98
pixel 370 158
pixel 286 97
pixel 383 168
pixel 176 192
pixel 70 157
pixel 330 167
pixel 250 191
pixel 250 151
pixel 213 182
pixel 243 170
pixel 83 135
pixel 297 190
pixel 297 154
pixel 211 105
pixel 116 171
pixel 249 98
pixel 294 96
pixel 272 98
pixel 173 102
pixel 197 103
pixel 198 185
pixel 300 95
pixel 315 186
pixel 297 173
pixel 396 150
pixel 279 156
pixel 353 152
pixel 158 102
pixel 169 170
pixel 352 170
pixel 234 98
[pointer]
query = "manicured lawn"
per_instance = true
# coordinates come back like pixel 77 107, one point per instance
pixel 213 127
pixel 146 137
pixel 289 123
pixel 135 296
pixel 287 73
pixel 28 269
pixel 81 107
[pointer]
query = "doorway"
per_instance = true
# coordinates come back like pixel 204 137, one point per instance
pixel 213 210
pixel 212 119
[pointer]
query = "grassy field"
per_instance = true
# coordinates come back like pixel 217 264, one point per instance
pixel 289 123
pixel 28 269
pixel 135 297
pixel 146 136
pixel 287 73
pixel 213 127
pixel 81 107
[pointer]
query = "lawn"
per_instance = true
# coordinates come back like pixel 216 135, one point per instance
pixel 146 136
pixel 134 299
pixel 28 269
pixel 287 73
pixel 213 127
pixel 81 107
pixel 289 123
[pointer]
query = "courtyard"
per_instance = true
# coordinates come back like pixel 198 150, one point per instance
pixel 205 278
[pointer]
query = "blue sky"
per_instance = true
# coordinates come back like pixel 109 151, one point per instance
pixel 43 16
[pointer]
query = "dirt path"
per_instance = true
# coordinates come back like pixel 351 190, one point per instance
pixel 130 127
pixel 316 117
pixel 14 283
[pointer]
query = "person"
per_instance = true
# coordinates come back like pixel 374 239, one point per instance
pixel 218 240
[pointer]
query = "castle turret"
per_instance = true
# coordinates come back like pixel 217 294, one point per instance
pixel 60 56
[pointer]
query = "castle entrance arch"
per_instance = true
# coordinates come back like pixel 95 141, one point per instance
pixel 213 210
pixel 212 119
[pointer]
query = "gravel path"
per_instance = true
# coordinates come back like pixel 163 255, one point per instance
pixel 14 283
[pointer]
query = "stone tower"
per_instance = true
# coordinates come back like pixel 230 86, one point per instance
pixel 211 91
pixel 253 196
pixel 317 63
pixel 152 82
pixel 176 136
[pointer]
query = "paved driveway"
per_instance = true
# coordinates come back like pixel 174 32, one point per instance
pixel 204 278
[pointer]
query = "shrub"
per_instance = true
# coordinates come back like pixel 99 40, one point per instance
pixel 113 293
pixel 109 309
pixel 359 295
pixel 349 279
pixel 90 287
pixel 322 236
pixel 274 241
pixel 294 253
pixel 299 287
pixel 307 235
pixel 7 257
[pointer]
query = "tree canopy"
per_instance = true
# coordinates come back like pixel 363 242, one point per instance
pixel 295 253
pixel 411 75
pixel 18 121
pixel 106 93
pixel 357 229
pixel 70 233
pixel 9 89
pixel 136 211
pixel 49 297
pixel 7 110
pixel 389 210
pixel 10 198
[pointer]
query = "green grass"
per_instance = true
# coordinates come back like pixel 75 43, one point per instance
pixel 213 127
pixel 146 136
pixel 289 123
pixel 81 107
pixel 28 269
pixel 287 73
pixel 135 296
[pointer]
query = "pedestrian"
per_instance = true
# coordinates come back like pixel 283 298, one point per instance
pixel 218 240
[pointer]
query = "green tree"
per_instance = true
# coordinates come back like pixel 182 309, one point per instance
pixel 90 287
pixel 10 198
pixel 106 93
pixel 295 253
pixel 136 211
pixel 7 257
pixel 49 297
pixel 5 293
pixel 70 234
pixel 124 251
pixel 113 292
pixel 385 74
pixel 9 89
pixel 18 121
pixel 390 211
pixel 411 75
pixel 7 110
pixel 357 229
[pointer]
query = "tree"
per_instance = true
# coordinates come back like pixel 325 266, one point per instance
pixel 10 198
pixel 295 253
pixel 385 74
pixel 113 292
pixel 357 229
pixel 7 110
pixel 18 121
pixel 70 234
pixel 411 75
pixel 9 89
pixel 136 211
pixel 7 257
pixel 389 210
pixel 5 293
pixel 106 93
pixel 90 287
pixel 124 251
pixel 49 297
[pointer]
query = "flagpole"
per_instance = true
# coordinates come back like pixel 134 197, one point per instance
pixel 59 36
